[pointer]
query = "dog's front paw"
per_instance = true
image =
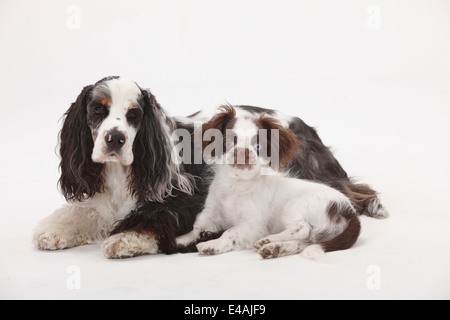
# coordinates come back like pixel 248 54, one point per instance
pixel 58 239
pixel 129 244
pixel 51 241
pixel 213 247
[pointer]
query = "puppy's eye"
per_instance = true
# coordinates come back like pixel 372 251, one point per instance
pixel 258 147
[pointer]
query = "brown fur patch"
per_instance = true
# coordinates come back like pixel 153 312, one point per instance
pixel 346 239
pixel 105 101
pixel 288 144
pixel 334 213
pixel 349 236
pixel 222 121
pixel 149 234
pixel 359 195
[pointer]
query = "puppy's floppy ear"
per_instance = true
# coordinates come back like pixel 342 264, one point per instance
pixel 220 122
pixel 287 145
pixel 80 176
pixel 154 173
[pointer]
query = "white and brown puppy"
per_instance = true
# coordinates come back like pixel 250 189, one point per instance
pixel 274 213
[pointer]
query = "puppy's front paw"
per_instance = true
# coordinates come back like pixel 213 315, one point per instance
pixel 129 244
pixel 213 247
pixel 185 241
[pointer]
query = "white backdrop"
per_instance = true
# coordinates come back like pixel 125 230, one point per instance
pixel 372 76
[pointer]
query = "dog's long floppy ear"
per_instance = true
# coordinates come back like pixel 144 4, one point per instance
pixel 220 122
pixel 154 172
pixel 80 176
pixel 287 145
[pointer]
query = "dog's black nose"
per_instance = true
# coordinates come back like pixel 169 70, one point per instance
pixel 115 140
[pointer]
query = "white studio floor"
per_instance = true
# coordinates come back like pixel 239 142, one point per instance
pixel 388 262
pixel 380 98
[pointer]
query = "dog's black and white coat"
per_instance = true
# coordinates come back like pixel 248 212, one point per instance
pixel 115 154
pixel 123 186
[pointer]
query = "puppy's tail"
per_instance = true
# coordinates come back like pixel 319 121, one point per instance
pixel 346 239
pixel 343 241
pixel 364 199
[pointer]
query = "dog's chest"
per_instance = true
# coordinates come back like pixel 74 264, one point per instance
pixel 239 200
pixel 117 193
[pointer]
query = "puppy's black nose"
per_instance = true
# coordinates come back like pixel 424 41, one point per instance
pixel 115 140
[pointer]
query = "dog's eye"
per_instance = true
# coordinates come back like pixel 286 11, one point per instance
pixel 258 147
pixel 100 110
pixel 131 115
pixel 134 116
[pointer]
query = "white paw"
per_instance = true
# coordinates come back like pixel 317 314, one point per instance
pixel 50 241
pixel 184 241
pixel 129 244
pixel 58 240
pixel 213 247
